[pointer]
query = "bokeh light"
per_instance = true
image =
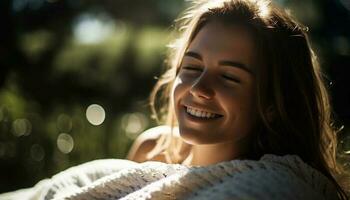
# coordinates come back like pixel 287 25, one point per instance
pixel 65 143
pixel 8 149
pixel 133 124
pixel 37 152
pixel 95 114
pixel 21 127
pixel 91 29
pixel 64 123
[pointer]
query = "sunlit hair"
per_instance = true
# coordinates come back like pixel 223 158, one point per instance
pixel 292 99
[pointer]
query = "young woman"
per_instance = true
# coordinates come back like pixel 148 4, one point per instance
pixel 247 117
pixel 242 82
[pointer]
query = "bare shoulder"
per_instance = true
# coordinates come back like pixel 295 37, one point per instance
pixel 146 141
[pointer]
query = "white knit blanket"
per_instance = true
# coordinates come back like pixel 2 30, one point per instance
pixel 272 177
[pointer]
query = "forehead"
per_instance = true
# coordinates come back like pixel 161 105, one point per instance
pixel 217 41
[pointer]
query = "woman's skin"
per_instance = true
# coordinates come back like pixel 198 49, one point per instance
pixel 216 76
pixel 216 81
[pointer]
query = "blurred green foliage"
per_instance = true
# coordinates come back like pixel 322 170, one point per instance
pixel 63 56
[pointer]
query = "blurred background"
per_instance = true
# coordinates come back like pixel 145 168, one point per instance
pixel 75 76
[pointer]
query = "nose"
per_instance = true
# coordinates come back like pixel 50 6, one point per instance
pixel 202 87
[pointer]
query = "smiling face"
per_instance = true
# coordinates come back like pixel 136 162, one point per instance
pixel 214 91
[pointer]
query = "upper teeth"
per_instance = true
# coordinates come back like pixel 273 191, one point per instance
pixel 200 113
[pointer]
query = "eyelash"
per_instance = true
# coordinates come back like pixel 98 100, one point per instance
pixel 231 78
pixel 192 68
pixel 199 69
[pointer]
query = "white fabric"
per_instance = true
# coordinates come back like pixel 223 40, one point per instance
pixel 272 177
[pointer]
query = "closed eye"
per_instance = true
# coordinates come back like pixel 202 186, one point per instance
pixel 192 68
pixel 230 78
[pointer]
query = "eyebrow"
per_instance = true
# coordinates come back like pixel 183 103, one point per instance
pixel 222 63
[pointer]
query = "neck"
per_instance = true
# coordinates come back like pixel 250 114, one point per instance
pixel 203 155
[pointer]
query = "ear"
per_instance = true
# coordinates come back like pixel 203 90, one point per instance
pixel 270 113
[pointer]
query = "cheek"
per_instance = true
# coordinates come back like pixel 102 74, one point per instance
pixel 248 115
pixel 240 108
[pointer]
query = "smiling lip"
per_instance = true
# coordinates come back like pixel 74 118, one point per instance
pixel 198 113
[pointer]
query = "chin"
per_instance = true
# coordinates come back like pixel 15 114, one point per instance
pixel 196 137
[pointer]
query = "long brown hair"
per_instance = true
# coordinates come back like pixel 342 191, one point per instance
pixel 292 99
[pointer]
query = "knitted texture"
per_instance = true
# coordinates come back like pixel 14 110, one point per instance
pixel 272 177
